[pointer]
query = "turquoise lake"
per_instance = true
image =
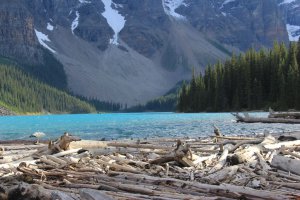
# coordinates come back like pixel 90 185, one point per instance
pixel 132 125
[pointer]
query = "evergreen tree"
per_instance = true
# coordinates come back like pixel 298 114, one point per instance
pixel 298 51
pixel 183 99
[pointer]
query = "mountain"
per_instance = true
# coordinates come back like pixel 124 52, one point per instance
pixel 291 14
pixel 130 51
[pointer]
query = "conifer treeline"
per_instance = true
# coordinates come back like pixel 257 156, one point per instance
pixel 22 93
pixel 102 106
pixel 254 80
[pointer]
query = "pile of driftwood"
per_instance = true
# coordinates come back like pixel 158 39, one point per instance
pixel 217 167
pixel 273 117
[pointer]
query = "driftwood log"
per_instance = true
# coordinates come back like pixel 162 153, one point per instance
pixel 289 115
pixel 248 119
pixel 286 164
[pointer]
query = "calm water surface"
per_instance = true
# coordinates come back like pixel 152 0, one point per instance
pixel 132 125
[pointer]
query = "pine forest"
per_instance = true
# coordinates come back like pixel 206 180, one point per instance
pixel 250 81
pixel 22 93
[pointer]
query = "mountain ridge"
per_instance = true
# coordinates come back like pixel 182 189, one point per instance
pixel 153 45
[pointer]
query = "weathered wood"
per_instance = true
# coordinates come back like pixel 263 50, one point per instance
pixel 283 144
pixel 265 120
pixel 221 162
pixel 289 185
pixel 217 131
pixel 246 154
pixel 181 151
pixel 88 144
pixel 68 152
pixel 235 147
pixel 90 194
pixel 291 177
pixel 234 138
pixel 286 152
pixel 48 161
pixel 63 143
pixel 225 189
pixel 163 159
pixel 286 164
pixel 129 161
pixel 190 173
pixel 221 175
pixel 56 160
pixel 292 115
pixel 118 167
pixel 140 146
pixel 58 195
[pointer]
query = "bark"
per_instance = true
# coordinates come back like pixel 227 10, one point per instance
pixel 286 164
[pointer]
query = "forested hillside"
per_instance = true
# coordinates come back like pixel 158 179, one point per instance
pixel 21 93
pixel 165 103
pixel 254 80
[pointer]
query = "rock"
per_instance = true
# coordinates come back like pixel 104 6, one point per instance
pixel 17 36
pixel 243 24
pixel 4 111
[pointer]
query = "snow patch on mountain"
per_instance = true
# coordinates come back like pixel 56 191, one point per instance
pixel 49 27
pixel 171 5
pixel 226 2
pixel 42 38
pixel 117 5
pixel 75 22
pixel 115 20
pixel 287 2
pixel 293 31
pixel 84 1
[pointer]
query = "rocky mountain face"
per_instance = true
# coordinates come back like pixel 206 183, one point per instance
pixel 291 16
pixel 130 51
pixel 238 23
pixel 17 37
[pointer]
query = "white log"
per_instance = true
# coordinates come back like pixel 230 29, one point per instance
pixel 88 144
pixel 139 146
pixel 221 162
pixel 68 152
pixel 285 144
pixel 200 159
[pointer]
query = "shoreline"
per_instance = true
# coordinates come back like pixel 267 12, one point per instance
pixel 161 168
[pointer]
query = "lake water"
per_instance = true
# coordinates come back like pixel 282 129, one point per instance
pixel 132 125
